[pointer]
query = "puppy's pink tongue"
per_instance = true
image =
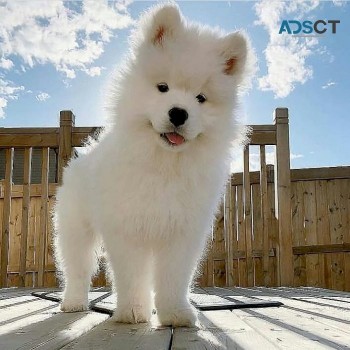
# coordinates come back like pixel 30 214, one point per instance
pixel 175 138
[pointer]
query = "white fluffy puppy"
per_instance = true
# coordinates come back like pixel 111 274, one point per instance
pixel 149 189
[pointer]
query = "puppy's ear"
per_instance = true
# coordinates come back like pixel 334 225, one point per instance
pixel 162 23
pixel 233 50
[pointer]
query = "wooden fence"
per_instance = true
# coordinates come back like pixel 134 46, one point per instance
pixel 26 257
pixel 320 227
pixel 277 227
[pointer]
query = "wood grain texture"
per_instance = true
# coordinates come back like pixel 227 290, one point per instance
pixel 310 318
pixel 5 235
pixel 248 218
pixel 122 336
pixel 257 235
pixel 65 151
pixel 34 189
pixel 283 210
pixel 218 248
pixel 43 216
pixel 341 172
pixel 264 214
pixel 242 265
pixel 25 213
pixel 231 239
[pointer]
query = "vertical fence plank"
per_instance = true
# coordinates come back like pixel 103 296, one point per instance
pixel 13 278
pixel 242 265
pixel 272 229
pixel 322 225
pixel 257 234
pixel 234 247
pixel 346 198
pixel 43 215
pixel 336 233
pixel 32 242
pixel 264 213
pixel 310 231
pixel 298 232
pixel 5 235
pixel 65 152
pixel 50 276
pixel 219 247
pixel 283 202
pixel 229 233
pixel 25 213
pixel 248 218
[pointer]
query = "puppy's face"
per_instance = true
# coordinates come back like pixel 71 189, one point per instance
pixel 185 78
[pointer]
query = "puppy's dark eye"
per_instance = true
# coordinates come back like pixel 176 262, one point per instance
pixel 201 98
pixel 163 87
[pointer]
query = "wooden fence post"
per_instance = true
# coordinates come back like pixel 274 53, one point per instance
pixel 25 214
pixel 43 215
pixel 5 235
pixel 65 152
pixel 285 273
pixel 248 218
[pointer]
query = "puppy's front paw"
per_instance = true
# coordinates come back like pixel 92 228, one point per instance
pixel 178 316
pixel 74 305
pixel 131 314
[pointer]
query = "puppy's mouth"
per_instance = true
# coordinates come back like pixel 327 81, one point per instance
pixel 173 139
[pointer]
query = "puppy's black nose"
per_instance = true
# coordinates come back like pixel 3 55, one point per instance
pixel 178 116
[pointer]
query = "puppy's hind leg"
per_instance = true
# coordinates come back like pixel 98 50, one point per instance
pixel 75 245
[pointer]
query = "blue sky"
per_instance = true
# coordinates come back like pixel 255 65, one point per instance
pixel 57 55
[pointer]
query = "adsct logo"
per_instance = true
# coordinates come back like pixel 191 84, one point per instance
pixel 308 28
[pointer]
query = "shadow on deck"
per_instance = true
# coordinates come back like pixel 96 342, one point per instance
pixel 309 318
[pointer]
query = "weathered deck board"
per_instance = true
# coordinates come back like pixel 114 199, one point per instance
pixel 53 332
pixel 311 318
pixel 111 335
pixel 220 330
pixel 15 312
pixel 319 329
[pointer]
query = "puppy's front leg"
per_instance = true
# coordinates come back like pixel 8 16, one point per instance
pixel 132 278
pixel 175 265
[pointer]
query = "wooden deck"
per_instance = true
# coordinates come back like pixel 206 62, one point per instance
pixel 310 318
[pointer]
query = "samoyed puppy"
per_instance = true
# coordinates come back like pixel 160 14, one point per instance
pixel 149 189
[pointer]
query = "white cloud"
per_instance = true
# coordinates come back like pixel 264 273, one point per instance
pixel 8 91
pixel 43 96
pixel 94 71
pixel 329 84
pixel 296 156
pixel 339 2
pixel 285 55
pixel 70 35
pixel 7 88
pixel 3 104
pixel 6 63
pixel 327 56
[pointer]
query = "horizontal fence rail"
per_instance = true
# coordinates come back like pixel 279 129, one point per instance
pixel 276 226
pixel 43 137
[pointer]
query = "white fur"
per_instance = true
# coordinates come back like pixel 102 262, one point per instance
pixel 152 205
